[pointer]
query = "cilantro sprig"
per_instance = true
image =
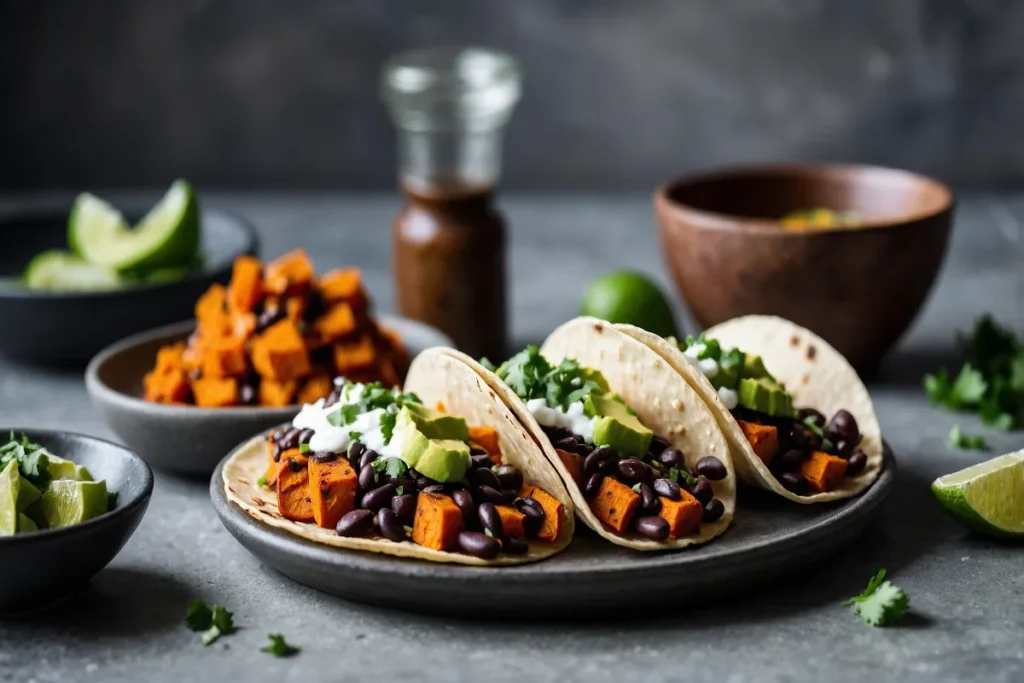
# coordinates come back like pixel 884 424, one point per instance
pixel 882 603
pixel 531 376
pixel 966 441
pixel 213 623
pixel 373 396
pixel 278 647
pixel 32 460
pixel 991 381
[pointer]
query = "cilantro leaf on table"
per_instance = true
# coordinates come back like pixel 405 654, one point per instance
pixel 199 615
pixel 212 622
pixel 965 441
pixel 278 647
pixel 32 460
pixel 882 603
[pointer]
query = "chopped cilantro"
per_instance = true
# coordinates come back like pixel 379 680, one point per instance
pixel 392 467
pixel 712 349
pixel 387 426
pixel 262 481
pixel 488 365
pixel 399 490
pixel 636 488
pixel 355 436
pixel 733 358
pixel 531 376
pixel 690 479
pixel 33 463
pixel 199 616
pixel 303 448
pixel 881 603
pixel 674 474
pixel 965 441
pixel 278 647
pixel 488 532
pixel 212 622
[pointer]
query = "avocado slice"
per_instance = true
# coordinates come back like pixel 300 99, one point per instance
pixel 753 368
pixel 765 396
pixel 444 457
pixel 444 460
pixel 616 427
pixel 434 425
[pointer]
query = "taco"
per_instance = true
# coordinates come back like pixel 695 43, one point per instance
pixel 641 454
pixel 436 472
pixel 798 418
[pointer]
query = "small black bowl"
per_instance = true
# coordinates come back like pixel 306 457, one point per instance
pixel 57 328
pixel 43 567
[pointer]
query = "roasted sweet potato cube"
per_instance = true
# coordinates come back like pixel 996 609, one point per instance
pixel 615 504
pixel 764 439
pixel 246 286
pixel 823 472
pixel 214 392
pixel 277 394
pixel 511 521
pixel 170 357
pixel 332 490
pixel 337 323
pixel 683 515
pixel 289 274
pixel 279 353
pixel 295 307
pixel 242 325
pixel 437 522
pixel 553 511
pixel 354 356
pixel 212 311
pixel 225 357
pixel 271 472
pixel 573 463
pixel 487 439
pixel 316 386
pixel 293 499
pixel 340 284
pixel 166 386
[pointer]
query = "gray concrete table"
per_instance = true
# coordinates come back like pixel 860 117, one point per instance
pixel 967 592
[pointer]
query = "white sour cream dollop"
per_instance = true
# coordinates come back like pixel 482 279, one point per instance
pixel 572 418
pixel 729 397
pixel 327 437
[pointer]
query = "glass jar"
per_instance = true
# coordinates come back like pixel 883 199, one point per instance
pixel 450 107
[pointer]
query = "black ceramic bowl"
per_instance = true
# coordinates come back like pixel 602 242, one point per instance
pixel 43 567
pixel 71 327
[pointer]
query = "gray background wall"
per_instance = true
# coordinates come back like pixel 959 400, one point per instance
pixel 618 94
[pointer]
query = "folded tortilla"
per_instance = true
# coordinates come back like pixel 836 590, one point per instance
pixel 662 400
pixel 435 377
pixel 812 371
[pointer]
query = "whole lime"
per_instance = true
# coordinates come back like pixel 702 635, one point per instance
pixel 624 296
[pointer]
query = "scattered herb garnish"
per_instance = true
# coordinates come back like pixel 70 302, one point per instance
pixel 393 467
pixel 212 622
pixel 812 426
pixel 636 488
pixel 531 376
pixel 399 490
pixel 278 647
pixel 881 603
pixel 965 441
pixel 303 448
pixel 991 381
pixel 262 481
pixel 31 458
pixel 674 474
pixel 373 396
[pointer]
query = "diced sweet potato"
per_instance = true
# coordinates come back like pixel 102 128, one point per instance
pixel 487 439
pixel 295 307
pixel 337 323
pixel 683 516
pixel 211 311
pixel 316 386
pixel 293 499
pixel 615 504
pixel 511 521
pixel 341 284
pixel 437 522
pixel 170 357
pixel 242 325
pixel 277 394
pixel 573 463
pixel 354 356
pixel 764 439
pixel 246 286
pixel 823 472
pixel 553 511
pixel 166 386
pixel 279 353
pixel 225 357
pixel 332 490
pixel 289 274
pixel 271 472
pixel 214 392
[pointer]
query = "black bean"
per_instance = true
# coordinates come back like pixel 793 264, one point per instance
pixel 423 482
pixel 795 435
pixel 793 481
pixel 658 445
pixel 592 463
pixel 355 523
pixel 530 508
pixel 593 485
pixel 369 455
pixel 333 397
pixel 486 477
pixel 711 467
pixel 290 439
pixel 474 450
pixel 433 488
pixel 478 545
pixel 490 519
pixel 556 433
pixel 367 477
pixel 568 443
pixel 276 451
pixel 323 456
pixel 464 499
pixel 481 460
pixel 819 419
pixel 305 435
pixel 247 394
pixel 514 545
pixel 713 510
pixel 510 477
pixel 355 452
pixel 672 457
pixel 390 526
pixel 843 425
pixel 649 501
pixel 632 470
pixel 790 460
pixel 489 493
pixel 404 506
pixel 405 483
pixel 842 448
pixel 652 526
pixel 702 491
pixel 378 498
pixel 668 488
pixel 856 463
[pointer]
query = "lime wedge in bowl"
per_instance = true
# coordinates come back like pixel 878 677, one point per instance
pixel 987 497
pixel 10 483
pixel 63 271
pixel 59 468
pixel 166 237
pixel 69 502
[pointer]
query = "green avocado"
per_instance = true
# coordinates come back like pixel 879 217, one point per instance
pixel 753 367
pixel 444 460
pixel 765 396
pixel 433 443
pixel 616 426
pixel 432 424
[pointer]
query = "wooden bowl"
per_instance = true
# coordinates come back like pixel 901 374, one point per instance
pixel 858 287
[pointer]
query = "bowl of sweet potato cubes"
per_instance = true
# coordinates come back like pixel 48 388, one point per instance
pixel 274 338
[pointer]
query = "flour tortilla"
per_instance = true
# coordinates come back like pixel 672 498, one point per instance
pixel 812 371
pixel 435 377
pixel 661 399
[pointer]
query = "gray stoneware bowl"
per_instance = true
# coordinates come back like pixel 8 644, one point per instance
pixel 44 567
pixel 187 439
pixel 71 327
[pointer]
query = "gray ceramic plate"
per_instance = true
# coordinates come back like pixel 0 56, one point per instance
pixel 187 439
pixel 769 537
pixel 44 567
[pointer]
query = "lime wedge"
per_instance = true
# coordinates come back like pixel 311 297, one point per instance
pixel 987 497
pixel 63 271
pixel 59 468
pixel 167 237
pixel 69 502
pixel 26 524
pixel 10 482
pixel 27 494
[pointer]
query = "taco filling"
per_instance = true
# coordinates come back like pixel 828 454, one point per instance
pixel 633 480
pixel 374 462
pixel 805 451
